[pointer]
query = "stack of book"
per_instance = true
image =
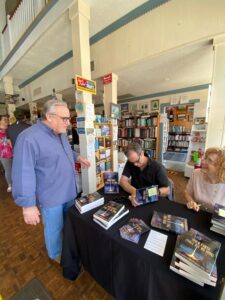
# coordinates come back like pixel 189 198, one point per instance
pixel 218 219
pixel 195 257
pixel 133 230
pixel 169 222
pixel 88 202
pixel 109 214
pixel 147 195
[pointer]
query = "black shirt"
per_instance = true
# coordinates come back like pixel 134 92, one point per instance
pixel 14 130
pixel 153 174
pixel 75 137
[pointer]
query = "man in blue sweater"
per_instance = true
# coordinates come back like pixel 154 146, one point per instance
pixel 43 173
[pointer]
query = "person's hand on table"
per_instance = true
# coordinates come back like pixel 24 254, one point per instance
pixel 132 199
pixel 193 205
pixel 31 215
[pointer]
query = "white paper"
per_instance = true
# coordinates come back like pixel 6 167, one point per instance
pixel 156 242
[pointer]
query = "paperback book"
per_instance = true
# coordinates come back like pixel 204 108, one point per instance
pixel 133 230
pixel 169 222
pixel 111 184
pixel 186 270
pixel 218 219
pixel 198 251
pixel 110 212
pixel 120 215
pixel 88 202
pixel 147 195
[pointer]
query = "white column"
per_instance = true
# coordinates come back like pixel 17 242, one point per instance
pixel 110 96
pixel 216 119
pixel 80 15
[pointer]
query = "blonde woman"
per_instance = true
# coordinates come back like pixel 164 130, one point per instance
pixel 207 185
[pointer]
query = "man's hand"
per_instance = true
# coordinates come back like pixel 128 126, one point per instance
pixel 84 162
pixel 31 215
pixel 132 199
pixel 193 205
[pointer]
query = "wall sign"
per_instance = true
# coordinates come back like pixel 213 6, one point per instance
pixel 86 85
pixel 107 79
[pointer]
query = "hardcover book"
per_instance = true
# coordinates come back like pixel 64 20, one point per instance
pixel 111 185
pixel 198 251
pixel 108 212
pixel 133 230
pixel 169 222
pixel 88 202
pixel 147 195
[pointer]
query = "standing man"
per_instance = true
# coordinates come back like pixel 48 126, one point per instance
pixel 16 128
pixel 43 174
pixel 141 171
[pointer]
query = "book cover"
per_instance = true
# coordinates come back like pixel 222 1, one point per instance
pixel 111 184
pixel 109 212
pixel 147 195
pixel 121 214
pixel 218 216
pixel 108 165
pixel 133 230
pixel 169 222
pixel 105 130
pixel 101 143
pixel 198 251
pixel 108 142
pixel 88 202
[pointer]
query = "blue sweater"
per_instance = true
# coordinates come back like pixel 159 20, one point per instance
pixel 43 168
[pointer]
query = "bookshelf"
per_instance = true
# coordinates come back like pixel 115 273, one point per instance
pixel 197 142
pixel 140 128
pixel 180 123
pixel 103 151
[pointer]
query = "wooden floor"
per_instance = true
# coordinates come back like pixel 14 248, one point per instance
pixel 23 255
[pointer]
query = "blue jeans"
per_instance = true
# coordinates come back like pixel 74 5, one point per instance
pixel 53 219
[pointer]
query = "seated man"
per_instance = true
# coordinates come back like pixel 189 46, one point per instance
pixel 144 172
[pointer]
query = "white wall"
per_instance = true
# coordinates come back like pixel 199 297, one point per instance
pixel 174 24
pixel 2 23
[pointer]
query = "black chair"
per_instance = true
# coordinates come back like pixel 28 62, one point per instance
pixel 171 196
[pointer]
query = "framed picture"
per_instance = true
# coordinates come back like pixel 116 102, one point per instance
pixel 133 107
pixel 144 107
pixel 199 121
pixel 155 104
pixel 115 111
pixel 124 107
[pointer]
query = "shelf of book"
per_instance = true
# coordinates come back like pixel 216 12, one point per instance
pixel 197 143
pixel 103 151
pixel 142 129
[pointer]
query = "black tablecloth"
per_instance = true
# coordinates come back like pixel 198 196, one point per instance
pixel 127 270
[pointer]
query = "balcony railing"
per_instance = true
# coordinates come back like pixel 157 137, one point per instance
pixel 18 22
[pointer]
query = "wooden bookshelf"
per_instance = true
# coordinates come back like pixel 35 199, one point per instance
pixel 103 151
pixel 142 129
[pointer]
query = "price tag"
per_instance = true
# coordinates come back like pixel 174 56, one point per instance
pixel 222 212
pixel 152 191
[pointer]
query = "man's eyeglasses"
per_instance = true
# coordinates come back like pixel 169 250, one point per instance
pixel 64 119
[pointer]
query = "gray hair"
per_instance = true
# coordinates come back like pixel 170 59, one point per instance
pixel 134 147
pixel 49 107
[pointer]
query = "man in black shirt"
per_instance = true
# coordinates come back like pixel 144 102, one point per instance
pixel 141 171
pixel 16 128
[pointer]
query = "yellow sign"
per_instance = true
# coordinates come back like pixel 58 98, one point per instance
pixel 86 85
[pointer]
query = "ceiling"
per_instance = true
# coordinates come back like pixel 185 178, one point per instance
pixel 188 66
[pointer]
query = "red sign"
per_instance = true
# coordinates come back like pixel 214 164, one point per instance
pixel 107 79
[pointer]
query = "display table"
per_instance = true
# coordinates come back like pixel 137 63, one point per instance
pixel 127 270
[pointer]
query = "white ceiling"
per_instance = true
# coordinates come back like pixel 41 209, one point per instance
pixel 188 66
